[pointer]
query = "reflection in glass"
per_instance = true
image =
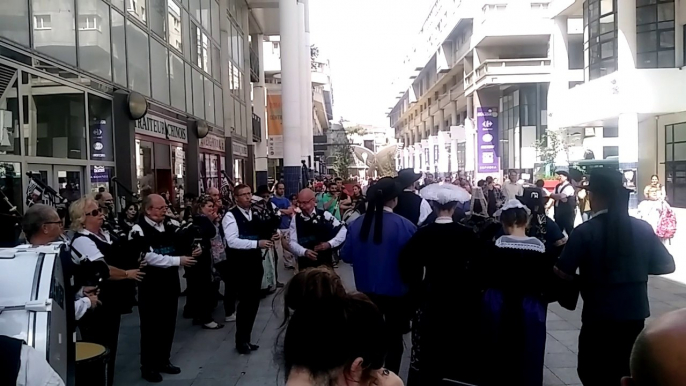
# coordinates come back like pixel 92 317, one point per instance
pixel 145 165
pixel 53 32
pixel 160 76
pixel 157 15
pixel 205 14
pixel 14 21
pixel 136 8
pixel 9 120
pixel 94 38
pixel 118 48
pixel 179 172
pixel 100 177
pixel 100 128
pixel 69 184
pixel 10 184
pixel 178 92
pixel 209 100
pixel 198 95
pixel 57 120
pixel 174 26
pixel 218 106
pixel 195 9
pixel 186 30
pixel 139 66
pixel 118 4
pixel 189 89
pixel 216 64
pixel 215 13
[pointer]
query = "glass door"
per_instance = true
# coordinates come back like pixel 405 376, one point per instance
pixel 65 180
pixel 42 172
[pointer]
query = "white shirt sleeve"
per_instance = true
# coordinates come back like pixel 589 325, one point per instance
pixel 424 211
pixel 155 259
pixel 81 306
pixel 233 239
pixel 567 191
pixel 296 248
pixel 84 248
pixel 340 236
pixel 35 370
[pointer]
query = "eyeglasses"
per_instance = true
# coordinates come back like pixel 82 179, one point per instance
pixel 160 207
pixel 53 222
pixel 95 212
pixel 244 194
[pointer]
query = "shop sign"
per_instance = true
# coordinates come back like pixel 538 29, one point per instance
pixel 162 128
pixel 101 141
pixel 240 149
pixel 487 133
pixel 99 174
pixel 213 142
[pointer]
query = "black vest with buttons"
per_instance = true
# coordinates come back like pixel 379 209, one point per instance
pixel 247 230
pixel 409 206
pixel 163 243
pixel 315 230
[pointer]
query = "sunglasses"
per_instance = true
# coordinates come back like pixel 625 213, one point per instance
pixel 52 222
pixel 95 212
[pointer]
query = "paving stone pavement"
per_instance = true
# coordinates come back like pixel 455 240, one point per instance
pixel 208 358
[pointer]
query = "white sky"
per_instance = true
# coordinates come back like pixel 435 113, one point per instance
pixel 366 41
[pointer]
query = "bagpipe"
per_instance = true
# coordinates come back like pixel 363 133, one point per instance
pixel 267 216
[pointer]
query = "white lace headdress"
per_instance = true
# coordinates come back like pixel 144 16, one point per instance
pixel 512 204
pixel 444 193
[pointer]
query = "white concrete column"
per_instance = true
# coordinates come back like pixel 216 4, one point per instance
pixel 260 105
pixel 290 92
pixel 417 158
pixel 304 76
pixel 309 123
pixel 628 138
pixel 559 82
pixel 471 152
pixel 626 35
pixel 455 118
pixel 431 143
pixel 442 153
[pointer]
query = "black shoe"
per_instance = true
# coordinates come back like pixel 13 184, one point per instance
pixel 169 369
pixel 217 326
pixel 244 348
pixel 253 347
pixel 151 376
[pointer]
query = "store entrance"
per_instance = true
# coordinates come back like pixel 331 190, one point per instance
pixel 66 180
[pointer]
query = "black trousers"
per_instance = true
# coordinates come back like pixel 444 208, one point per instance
pixel 396 315
pixel 157 307
pixel 101 326
pixel 224 270
pixel 565 220
pixel 248 280
pixel 200 294
pixel 604 351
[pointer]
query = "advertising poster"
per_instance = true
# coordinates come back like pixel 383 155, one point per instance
pixel 274 127
pixel 488 160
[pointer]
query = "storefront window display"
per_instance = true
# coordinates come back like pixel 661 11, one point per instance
pixel 101 177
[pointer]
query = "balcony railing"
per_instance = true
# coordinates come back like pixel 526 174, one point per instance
pixel 256 128
pixel 254 66
pixel 507 67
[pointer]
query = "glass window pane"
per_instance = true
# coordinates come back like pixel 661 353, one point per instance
pixel 216 65
pixel 665 59
pixel 666 39
pixel 640 3
pixel 196 48
pixel 645 15
pixel 160 72
pixel 186 31
pixel 218 106
pixel 241 50
pixel 157 15
pixel 178 91
pixel 118 48
pixel 10 182
pixel 205 14
pixel 9 104
pixel 195 9
pixel 607 50
pixel 209 100
pixel 234 44
pixel 606 6
pixel 607 24
pixel 174 26
pixel 136 8
pixel 189 88
pixel 100 128
pixel 680 132
pixel 119 4
pixel 668 133
pixel 14 23
pixel 139 64
pixel 198 95
pixel 205 51
pixel 216 12
pixel 57 120
pixel 646 41
pixel 53 29
pixel 94 38
pixel 680 152
pixel 665 12
pixel 646 60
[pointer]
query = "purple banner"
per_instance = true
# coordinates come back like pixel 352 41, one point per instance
pixel 487 132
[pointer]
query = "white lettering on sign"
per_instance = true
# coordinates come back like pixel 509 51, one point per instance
pixel 213 142
pixel 162 128
pixel 240 149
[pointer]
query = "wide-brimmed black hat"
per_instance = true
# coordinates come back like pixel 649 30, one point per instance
pixel 407 177
pixel 562 172
pixel 605 181
pixel 386 189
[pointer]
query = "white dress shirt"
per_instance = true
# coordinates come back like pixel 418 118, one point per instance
pixel 512 190
pixel 155 259
pixel 81 304
pixel 34 370
pixel 231 233
pixel 299 250
pixel 565 190
pixel 85 248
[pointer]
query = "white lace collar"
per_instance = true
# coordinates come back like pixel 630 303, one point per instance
pixel 521 243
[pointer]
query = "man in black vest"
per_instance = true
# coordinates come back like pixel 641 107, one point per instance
pixel 158 293
pixel 245 250
pixel 410 204
pixel 565 203
pixel 314 233
pixel 23 365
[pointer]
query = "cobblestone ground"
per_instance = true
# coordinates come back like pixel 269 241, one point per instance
pixel 208 358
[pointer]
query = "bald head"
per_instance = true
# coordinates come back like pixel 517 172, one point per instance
pixel 306 201
pixel 659 353
pixel 155 207
pixel 214 193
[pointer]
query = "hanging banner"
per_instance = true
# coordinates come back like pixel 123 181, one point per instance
pixel 274 127
pixel 487 133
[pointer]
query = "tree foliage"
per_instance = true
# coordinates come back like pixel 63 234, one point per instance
pixel 550 146
pixel 385 165
pixel 314 54
pixel 343 154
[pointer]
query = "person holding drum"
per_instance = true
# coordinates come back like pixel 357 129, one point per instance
pixel 96 246
pixel 155 237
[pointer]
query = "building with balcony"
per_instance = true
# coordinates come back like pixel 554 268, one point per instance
pixel 71 73
pixel 474 92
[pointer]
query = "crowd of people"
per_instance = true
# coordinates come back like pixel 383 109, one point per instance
pixel 470 310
